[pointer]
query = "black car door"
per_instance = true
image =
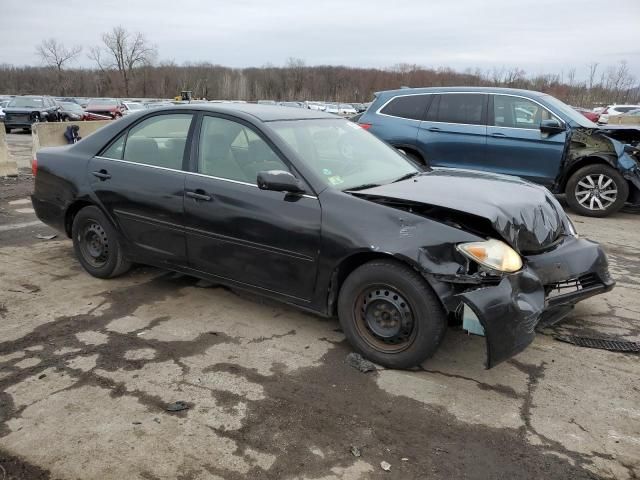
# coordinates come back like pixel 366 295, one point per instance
pixel 236 231
pixel 139 180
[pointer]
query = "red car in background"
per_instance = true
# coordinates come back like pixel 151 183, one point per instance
pixel 591 115
pixel 110 107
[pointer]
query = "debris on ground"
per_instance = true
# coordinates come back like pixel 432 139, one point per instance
pixel 404 459
pixel 46 237
pixel 358 362
pixel 137 423
pixel 42 376
pixel 355 451
pixel 600 343
pixel 177 406
pixel 386 466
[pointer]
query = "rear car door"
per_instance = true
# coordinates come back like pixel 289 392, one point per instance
pixel 515 144
pixel 454 132
pixel 139 180
pixel 234 230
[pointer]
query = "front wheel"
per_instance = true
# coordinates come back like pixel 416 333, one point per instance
pixel 596 191
pixel 96 244
pixel 390 314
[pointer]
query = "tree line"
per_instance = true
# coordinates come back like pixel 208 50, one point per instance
pixel 125 65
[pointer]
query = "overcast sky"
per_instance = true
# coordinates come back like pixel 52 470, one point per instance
pixel 540 36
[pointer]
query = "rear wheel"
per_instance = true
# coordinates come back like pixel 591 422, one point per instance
pixel 596 191
pixel 390 314
pixel 96 244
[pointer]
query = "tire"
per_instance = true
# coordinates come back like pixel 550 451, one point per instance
pixel 413 158
pixel 96 244
pixel 415 322
pixel 602 199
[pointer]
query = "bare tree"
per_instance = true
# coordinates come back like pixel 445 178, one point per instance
pixel 55 55
pixel 123 51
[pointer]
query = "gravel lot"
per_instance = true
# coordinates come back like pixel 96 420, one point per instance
pixel 89 367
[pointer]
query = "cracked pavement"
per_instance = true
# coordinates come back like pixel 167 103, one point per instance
pixel 88 368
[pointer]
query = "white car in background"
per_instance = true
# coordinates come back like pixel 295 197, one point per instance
pixel 130 107
pixel 614 110
pixel 346 109
pixel 3 103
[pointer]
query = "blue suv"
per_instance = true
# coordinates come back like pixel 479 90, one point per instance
pixel 516 132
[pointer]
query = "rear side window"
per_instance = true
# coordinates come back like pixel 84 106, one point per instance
pixel 407 106
pixel 159 141
pixel 465 108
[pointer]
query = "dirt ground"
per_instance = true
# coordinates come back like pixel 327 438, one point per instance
pixel 90 368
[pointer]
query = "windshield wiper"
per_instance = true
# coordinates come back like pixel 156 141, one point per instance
pixel 406 177
pixel 362 187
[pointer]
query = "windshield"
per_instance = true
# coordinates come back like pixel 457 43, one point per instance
pixel 574 115
pixel 26 102
pixel 342 154
pixel 72 107
pixel 134 106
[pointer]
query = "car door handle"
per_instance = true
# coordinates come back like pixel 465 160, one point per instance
pixel 433 129
pixel 198 195
pixel 102 175
pixel 498 134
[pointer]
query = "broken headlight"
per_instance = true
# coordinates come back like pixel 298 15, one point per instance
pixel 492 254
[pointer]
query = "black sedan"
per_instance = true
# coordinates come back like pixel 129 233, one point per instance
pixel 314 211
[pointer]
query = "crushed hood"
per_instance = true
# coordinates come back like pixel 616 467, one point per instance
pixel 527 216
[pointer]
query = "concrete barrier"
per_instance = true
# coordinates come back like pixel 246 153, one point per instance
pixel 8 167
pixel 52 134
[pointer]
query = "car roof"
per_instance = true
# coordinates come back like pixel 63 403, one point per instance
pixel 407 91
pixel 264 113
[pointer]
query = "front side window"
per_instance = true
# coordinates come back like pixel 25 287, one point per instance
pixel 517 112
pixel 342 154
pixel 464 108
pixel 232 151
pixel 159 141
pixel 408 106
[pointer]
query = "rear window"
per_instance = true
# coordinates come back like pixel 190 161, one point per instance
pixel 466 108
pixel 407 106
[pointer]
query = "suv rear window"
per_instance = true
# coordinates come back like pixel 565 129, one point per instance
pixel 466 108
pixel 407 106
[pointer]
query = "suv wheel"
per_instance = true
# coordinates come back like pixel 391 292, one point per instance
pixel 96 244
pixel 389 313
pixel 596 191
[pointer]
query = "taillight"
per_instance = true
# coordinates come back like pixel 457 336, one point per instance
pixel 34 165
pixel 366 126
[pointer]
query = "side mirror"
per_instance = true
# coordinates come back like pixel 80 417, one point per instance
pixel 551 126
pixel 279 181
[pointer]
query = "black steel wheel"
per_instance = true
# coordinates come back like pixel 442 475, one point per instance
pixel 389 313
pixel 96 244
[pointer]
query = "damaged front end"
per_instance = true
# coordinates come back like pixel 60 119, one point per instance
pixel 510 306
pixel 619 146
pixel 556 271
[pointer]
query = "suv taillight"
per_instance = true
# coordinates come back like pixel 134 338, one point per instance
pixel 34 165
pixel 366 126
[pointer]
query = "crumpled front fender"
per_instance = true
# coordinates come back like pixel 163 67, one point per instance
pixel 509 313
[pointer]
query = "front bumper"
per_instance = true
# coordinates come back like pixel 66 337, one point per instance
pixel 543 292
